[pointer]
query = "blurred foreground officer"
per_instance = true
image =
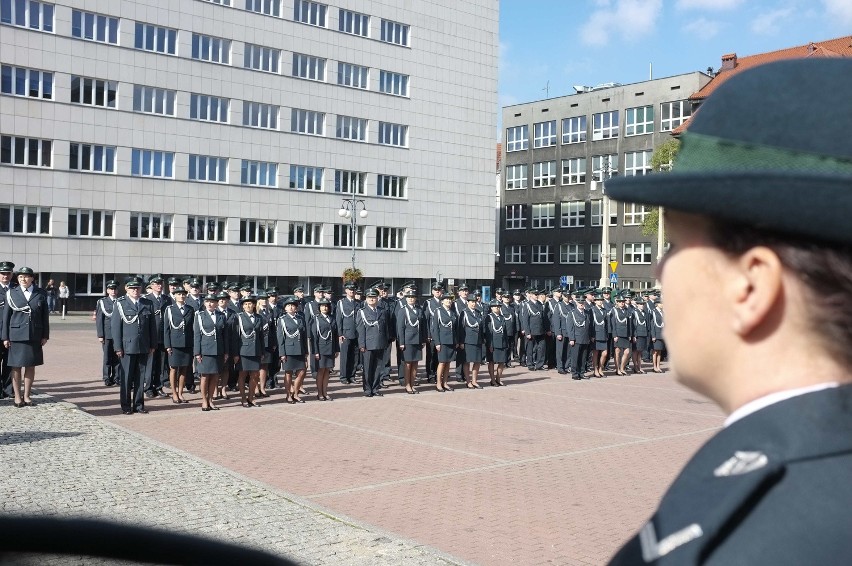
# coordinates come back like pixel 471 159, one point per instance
pixel 103 324
pixel 757 284
pixel 134 337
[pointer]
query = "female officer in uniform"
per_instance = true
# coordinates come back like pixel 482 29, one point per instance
pixel 293 349
pixel 324 345
pixel 445 325
pixel 470 340
pixel 757 282
pixel 658 322
pixel 411 336
pixel 498 341
pixel 248 345
pixel 178 341
pixel 210 346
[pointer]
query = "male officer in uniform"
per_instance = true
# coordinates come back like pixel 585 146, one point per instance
pixel 347 328
pixel 158 371
pixel 519 348
pixel 429 308
pixel 134 337
pixel 558 318
pixel 460 305
pixel 372 341
pixel 6 270
pixel 103 324
pixel 507 311
pixel 534 327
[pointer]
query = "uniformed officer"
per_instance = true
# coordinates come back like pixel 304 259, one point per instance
pixel 178 339
pixel 429 308
pixel 372 341
pixel 444 332
pixel 292 348
pixel 600 336
pixel 347 327
pixel 134 337
pixel 210 348
pixel 325 346
pixel 157 371
pixel 103 318
pixel 621 331
pixel 519 348
pixel 497 340
pixel 6 269
pixel 579 335
pixel 657 322
pixel 460 304
pixel 249 344
pixel 470 341
pixel 310 311
pixel 388 304
pixel 411 335
pixel 534 326
pixel 641 334
pixel 558 319
pixel 507 311
pixel 553 299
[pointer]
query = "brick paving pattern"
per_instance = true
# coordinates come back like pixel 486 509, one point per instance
pixel 545 471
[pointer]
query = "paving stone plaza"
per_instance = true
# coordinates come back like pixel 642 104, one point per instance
pixel 545 471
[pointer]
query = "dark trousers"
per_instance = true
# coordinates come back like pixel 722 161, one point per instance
pixel 461 360
pixel 521 349
pixel 372 381
pixel 5 373
pixel 348 359
pixel 563 349
pixel 550 351
pixel 431 360
pixel 133 369
pixel 384 364
pixel 110 362
pixel 578 359
pixel 535 351
pixel 313 363
pixel 272 370
pixel 400 373
pixel 156 374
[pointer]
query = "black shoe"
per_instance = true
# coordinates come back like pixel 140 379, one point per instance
pixel 161 393
pixel 576 378
pixel 367 394
pixel 126 412
pixel 379 394
pixel 150 394
pixel 107 383
pixel 142 411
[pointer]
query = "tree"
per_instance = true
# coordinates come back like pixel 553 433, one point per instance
pixel 662 161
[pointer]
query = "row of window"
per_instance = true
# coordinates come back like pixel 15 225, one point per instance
pixel 605 125
pixel 38 15
pixel 574 170
pixel 203 168
pixel 573 215
pixel 152 226
pixel 634 253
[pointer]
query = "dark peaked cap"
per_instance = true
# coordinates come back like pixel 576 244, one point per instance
pixel 771 148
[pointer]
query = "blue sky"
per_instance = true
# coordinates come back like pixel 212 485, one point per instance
pixel 588 42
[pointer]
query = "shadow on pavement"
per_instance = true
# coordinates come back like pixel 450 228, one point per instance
pixel 33 436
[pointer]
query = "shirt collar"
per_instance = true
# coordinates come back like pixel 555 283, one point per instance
pixel 772 398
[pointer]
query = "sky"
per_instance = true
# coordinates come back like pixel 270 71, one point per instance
pixel 589 42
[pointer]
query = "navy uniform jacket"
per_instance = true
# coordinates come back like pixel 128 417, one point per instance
pixel 248 338
pixel 770 489
pixel 578 327
pixel 641 323
pixel 311 310
pixel 182 336
pixel 25 321
pixel 215 345
pixel 134 331
pixel 324 336
pixel 372 328
pixel 429 308
pixel 389 305
pixel 196 303
pixel 292 336
pixel 470 327
pixel 533 320
pixel 496 330
pixel 558 319
pixel 445 327
pixel 347 324
pixel 658 323
pixel 510 319
pixel 411 325
pixel 160 303
pixel 103 317
pixel 620 323
pixel 600 324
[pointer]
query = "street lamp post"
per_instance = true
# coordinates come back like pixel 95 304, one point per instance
pixel 349 210
pixel 605 174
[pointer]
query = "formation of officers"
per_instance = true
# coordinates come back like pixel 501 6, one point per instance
pixel 233 340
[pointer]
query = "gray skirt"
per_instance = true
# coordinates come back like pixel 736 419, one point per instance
pixel 25 354
pixel 498 356
pixel 294 363
pixel 180 357
pixel 447 353
pixel 412 353
pixel 248 363
pixel 325 362
pixel 659 345
pixel 473 353
pixel 210 365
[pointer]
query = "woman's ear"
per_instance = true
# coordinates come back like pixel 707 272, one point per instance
pixel 754 288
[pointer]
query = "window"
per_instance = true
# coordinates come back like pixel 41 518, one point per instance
pixel 516 216
pixel 352 75
pixel 634 214
pixel 91 223
pixel 597 213
pixel 150 226
pixel 673 114
pixel 25 151
pixel 257 231
pixel 544 174
pixel 517 138
pixel 516 177
pixel 613 253
pixel 267 7
pixel 639 121
pixel 306 178
pixel 343 236
pixel 613 213
pixel 311 13
pixel 19 81
pixel 605 125
pixel 574 130
pixel 390 238
pixel 307 122
pixel 637 163
pixel 349 128
pixel 637 253
pixel 545 134
pixel 212 49
pixel 93 158
pixel 393 134
pixel 205 229
pixel 95 27
pixel 259 173
pixel 514 254
pixel 149 163
pixel 541 253
pixel 354 23
pixel 92 284
pixel 24 219
pixel 543 215
pixel 209 108
pixel 574 171
pixel 350 182
pixel 391 186
pixel 572 253
pixel 573 214
pixel 308 67
pixel 160 39
pixel 152 100
pixel 32 14
pixel 304 234
pixel 604 166
pixel 220 2
pixel 393 83
pixel 261 58
pixel 394 32
pixel 595 253
pixel 95 92
pixel 259 115
pixel 208 169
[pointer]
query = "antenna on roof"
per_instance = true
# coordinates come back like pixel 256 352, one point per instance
pixel 546 90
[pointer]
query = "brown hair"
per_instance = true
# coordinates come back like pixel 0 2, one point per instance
pixel 822 267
